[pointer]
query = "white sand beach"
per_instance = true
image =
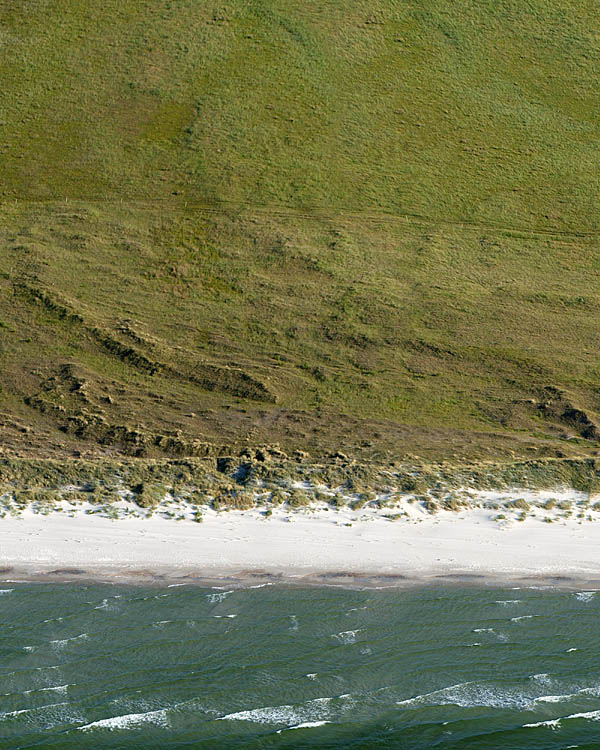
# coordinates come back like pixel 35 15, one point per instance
pixel 313 544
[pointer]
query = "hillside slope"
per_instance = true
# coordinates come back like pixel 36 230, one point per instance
pixel 368 228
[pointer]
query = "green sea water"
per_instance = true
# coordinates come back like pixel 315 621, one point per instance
pixel 109 666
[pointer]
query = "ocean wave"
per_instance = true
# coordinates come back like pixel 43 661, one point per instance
pixel 260 585
pixel 315 710
pixel 555 723
pixel 219 597
pixel 522 617
pixel 589 715
pixel 57 688
pixel 585 596
pixel 500 636
pixel 552 723
pixel 347 637
pixel 6 591
pixel 507 602
pixel 129 721
pixel 222 617
pixel 61 643
pixel 542 677
pixel 305 725
pixel 106 604
pixel 472 694
pixel 56 713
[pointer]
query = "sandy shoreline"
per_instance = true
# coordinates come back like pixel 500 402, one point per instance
pixel 308 547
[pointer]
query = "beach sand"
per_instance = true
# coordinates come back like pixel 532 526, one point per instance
pixel 342 547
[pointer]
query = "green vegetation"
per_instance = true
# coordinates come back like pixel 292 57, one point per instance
pixel 519 503
pixel 313 229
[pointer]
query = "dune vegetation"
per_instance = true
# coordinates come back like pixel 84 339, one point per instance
pixel 303 228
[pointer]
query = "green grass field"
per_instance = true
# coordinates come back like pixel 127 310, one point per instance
pixel 360 227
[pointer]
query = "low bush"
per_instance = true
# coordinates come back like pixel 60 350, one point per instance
pixel 298 499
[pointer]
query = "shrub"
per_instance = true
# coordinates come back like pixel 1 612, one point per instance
pixel 520 503
pixel 453 504
pixel 411 484
pixel 147 495
pixel 338 501
pixel 298 499
pixel 197 497
pixel 233 500
pixel 358 503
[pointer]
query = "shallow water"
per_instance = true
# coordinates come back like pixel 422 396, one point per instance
pixel 101 666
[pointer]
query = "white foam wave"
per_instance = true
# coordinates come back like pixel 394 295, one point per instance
pixel 589 715
pixel 500 636
pixel 294 625
pixel 522 617
pixel 591 691
pixel 223 617
pixel 552 723
pixel 129 721
pixel 260 585
pixel 216 598
pixel 312 675
pixel 62 643
pixel 62 716
pixel 507 602
pixel 585 596
pixel 543 678
pixel 568 651
pixel 57 689
pixel 316 710
pixel 471 694
pixel 6 591
pixel 554 698
pixel 555 723
pixel 347 637
pixel 107 604
pixel 305 725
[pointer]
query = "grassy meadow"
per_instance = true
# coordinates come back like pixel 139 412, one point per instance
pixel 369 228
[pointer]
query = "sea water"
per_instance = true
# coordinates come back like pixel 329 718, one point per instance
pixel 109 666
